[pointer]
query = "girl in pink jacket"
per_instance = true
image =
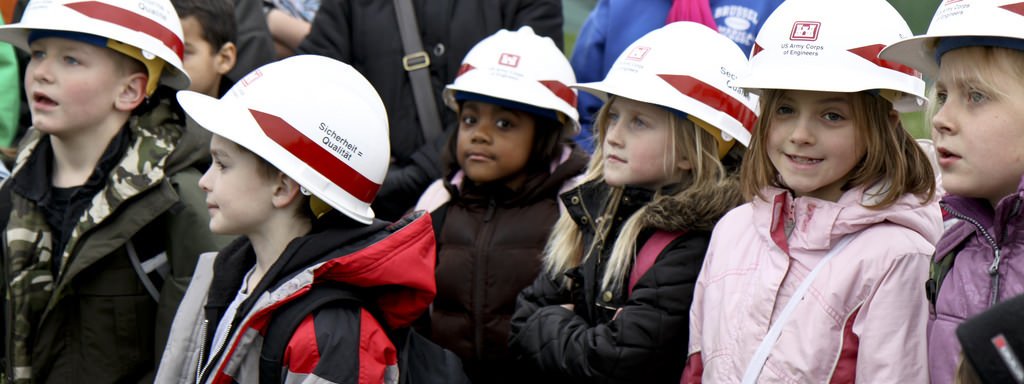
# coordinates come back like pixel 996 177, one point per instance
pixel 821 276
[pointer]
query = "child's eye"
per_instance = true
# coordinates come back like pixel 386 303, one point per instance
pixel 38 55
pixel 503 124
pixel 638 123
pixel 613 117
pixel 468 120
pixel 70 60
pixel 783 110
pixel 832 116
pixel 940 97
pixel 976 97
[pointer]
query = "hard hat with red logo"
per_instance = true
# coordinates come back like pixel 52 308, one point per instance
pixel 686 67
pixel 146 30
pixel 332 139
pixel 832 46
pixel 523 68
pixel 962 23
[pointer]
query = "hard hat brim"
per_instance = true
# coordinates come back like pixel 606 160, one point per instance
pixel 174 75
pixel 776 71
pixel 917 52
pixel 236 123
pixel 530 93
pixel 652 90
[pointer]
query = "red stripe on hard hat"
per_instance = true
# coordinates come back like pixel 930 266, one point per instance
pixel 870 53
pixel 130 20
pixel 315 156
pixel 713 97
pixel 1017 8
pixel 464 68
pixel 561 90
pixel 757 49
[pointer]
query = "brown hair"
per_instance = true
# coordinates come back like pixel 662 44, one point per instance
pixel 892 156
pixel 268 172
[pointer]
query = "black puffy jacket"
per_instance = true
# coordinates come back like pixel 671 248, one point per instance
pixel 364 33
pixel 644 343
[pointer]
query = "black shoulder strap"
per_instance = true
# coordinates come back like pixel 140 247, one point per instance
pixel 437 217
pixel 416 62
pixel 286 320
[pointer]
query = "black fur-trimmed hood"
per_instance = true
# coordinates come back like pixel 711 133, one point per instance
pixel 694 209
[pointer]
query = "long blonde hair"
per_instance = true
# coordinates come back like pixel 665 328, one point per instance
pixel 565 249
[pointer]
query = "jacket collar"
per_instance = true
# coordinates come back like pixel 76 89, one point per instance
pixel 817 224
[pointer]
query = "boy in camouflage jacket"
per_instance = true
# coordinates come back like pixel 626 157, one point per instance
pixel 102 218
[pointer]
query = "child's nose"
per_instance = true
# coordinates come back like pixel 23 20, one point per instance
pixel 944 121
pixel 40 70
pixel 482 134
pixel 801 133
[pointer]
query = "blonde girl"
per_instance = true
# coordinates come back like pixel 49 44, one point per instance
pixel 612 302
pixel 975 52
pixel 820 278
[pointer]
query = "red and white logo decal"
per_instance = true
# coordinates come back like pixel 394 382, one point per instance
pixel 638 53
pixel 509 60
pixel 805 30
pixel 251 78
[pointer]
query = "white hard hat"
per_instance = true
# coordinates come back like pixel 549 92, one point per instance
pixel 151 26
pixel 314 118
pixel 687 67
pixel 520 67
pixel 988 22
pixel 832 46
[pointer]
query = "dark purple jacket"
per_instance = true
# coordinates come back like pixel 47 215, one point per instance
pixel 989 268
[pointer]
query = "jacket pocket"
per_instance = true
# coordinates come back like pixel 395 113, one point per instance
pixel 116 322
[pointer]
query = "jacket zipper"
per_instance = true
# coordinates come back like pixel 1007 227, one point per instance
pixel 216 354
pixel 993 269
pixel 478 279
pixel 202 350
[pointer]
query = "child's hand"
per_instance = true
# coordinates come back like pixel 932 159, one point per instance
pixel 568 306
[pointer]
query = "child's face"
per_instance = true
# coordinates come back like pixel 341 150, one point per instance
pixel 204 63
pixel 812 142
pixel 494 143
pixel 73 86
pixel 637 146
pixel 238 194
pixel 978 132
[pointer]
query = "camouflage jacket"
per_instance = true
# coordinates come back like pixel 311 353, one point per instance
pixel 96 319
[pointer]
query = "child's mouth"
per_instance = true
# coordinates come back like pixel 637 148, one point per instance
pixel 803 160
pixel 43 100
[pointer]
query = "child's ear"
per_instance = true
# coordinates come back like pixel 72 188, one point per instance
pixel 132 92
pixel 225 58
pixel 684 165
pixel 286 191
pixel 894 118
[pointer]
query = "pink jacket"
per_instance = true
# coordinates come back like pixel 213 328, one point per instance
pixel 864 318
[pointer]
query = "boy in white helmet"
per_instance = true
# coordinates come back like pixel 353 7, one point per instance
pixel 295 169
pixel 102 218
